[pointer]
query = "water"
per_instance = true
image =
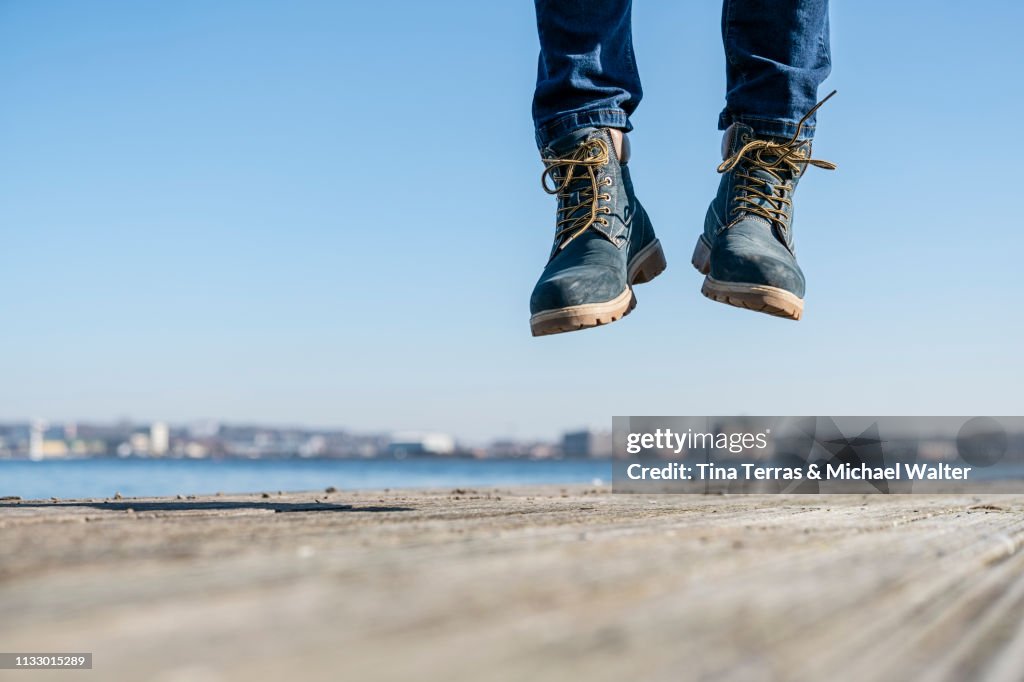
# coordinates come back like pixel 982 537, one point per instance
pixel 141 477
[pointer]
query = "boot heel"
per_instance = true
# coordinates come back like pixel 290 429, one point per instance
pixel 649 264
pixel 701 257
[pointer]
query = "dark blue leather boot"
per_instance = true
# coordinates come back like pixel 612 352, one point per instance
pixel 747 249
pixel 604 241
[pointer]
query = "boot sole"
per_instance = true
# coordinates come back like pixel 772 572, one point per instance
pixel 760 298
pixel 648 264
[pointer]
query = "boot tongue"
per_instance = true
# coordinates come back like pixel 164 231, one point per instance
pixel 572 194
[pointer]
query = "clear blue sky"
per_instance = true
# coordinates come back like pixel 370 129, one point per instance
pixel 330 214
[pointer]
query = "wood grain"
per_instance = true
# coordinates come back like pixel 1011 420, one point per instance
pixel 539 584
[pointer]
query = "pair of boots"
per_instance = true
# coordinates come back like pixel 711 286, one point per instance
pixel 604 241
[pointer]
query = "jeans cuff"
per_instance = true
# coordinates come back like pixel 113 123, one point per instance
pixel 775 127
pixel 592 118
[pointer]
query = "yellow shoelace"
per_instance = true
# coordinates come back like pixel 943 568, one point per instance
pixel 775 158
pixel 583 165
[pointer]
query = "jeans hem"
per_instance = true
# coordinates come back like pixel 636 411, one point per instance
pixel 591 118
pixel 776 127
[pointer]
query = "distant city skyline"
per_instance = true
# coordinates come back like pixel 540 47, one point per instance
pixel 474 438
pixel 41 439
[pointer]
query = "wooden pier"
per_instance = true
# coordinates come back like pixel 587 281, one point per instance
pixel 526 584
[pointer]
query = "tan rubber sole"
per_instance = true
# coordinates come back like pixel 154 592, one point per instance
pixel 647 265
pixel 757 297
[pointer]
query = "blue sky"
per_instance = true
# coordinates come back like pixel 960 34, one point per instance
pixel 330 214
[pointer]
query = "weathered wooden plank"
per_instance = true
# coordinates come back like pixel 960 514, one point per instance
pixel 546 584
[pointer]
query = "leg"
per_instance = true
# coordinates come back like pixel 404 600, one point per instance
pixel 586 75
pixel 777 54
pixel 587 86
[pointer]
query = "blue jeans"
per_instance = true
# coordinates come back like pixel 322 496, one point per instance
pixel 777 53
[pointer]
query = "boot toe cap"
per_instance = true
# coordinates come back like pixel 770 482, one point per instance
pixel 574 286
pixel 744 259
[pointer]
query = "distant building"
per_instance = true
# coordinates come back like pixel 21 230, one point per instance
pixel 36 439
pixel 588 443
pixel 544 451
pixel 517 449
pixel 159 439
pixel 139 444
pixel 316 446
pixel 196 451
pixel 506 448
pixel 54 448
pixel 413 444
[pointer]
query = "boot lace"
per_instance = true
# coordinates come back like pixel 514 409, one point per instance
pixel 578 176
pixel 782 161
